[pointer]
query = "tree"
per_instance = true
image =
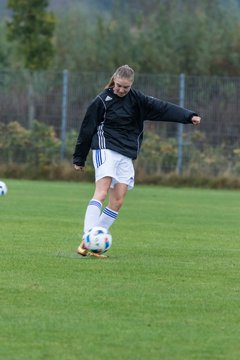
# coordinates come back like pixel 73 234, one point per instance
pixel 5 48
pixel 199 37
pixel 31 28
pixel 194 37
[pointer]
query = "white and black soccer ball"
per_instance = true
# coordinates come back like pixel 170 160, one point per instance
pixel 98 240
pixel 3 188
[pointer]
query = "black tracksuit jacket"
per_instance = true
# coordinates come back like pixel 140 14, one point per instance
pixel 116 123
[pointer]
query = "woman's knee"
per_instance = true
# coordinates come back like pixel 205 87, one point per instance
pixel 100 195
pixel 116 203
pixel 117 195
pixel 102 188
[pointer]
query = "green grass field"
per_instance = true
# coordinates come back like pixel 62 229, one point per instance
pixel 170 288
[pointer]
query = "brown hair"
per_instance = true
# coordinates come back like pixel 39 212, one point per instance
pixel 123 71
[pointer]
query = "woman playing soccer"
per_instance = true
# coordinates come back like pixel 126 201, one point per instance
pixel 113 129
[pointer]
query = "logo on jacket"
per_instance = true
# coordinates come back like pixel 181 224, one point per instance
pixel 108 98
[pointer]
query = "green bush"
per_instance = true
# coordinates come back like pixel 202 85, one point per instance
pixel 157 155
pixel 44 145
pixel 37 146
pixel 14 141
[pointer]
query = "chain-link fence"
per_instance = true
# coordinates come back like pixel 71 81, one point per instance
pixel 59 100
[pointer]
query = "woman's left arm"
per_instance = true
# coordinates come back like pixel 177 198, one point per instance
pixel 159 110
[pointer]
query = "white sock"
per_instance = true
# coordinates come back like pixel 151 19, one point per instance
pixel 92 214
pixel 107 218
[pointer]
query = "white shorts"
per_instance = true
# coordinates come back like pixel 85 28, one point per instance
pixel 118 167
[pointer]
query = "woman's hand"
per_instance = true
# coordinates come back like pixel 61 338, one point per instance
pixel 196 120
pixel 78 168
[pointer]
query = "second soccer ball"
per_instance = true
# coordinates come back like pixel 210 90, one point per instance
pixel 3 188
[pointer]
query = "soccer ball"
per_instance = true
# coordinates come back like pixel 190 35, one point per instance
pixel 98 240
pixel 3 188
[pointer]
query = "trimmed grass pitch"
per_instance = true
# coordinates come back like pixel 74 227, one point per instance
pixel 170 288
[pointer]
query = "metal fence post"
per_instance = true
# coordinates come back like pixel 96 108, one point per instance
pixel 180 126
pixel 64 114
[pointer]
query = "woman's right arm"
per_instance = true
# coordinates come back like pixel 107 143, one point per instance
pixel 92 118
